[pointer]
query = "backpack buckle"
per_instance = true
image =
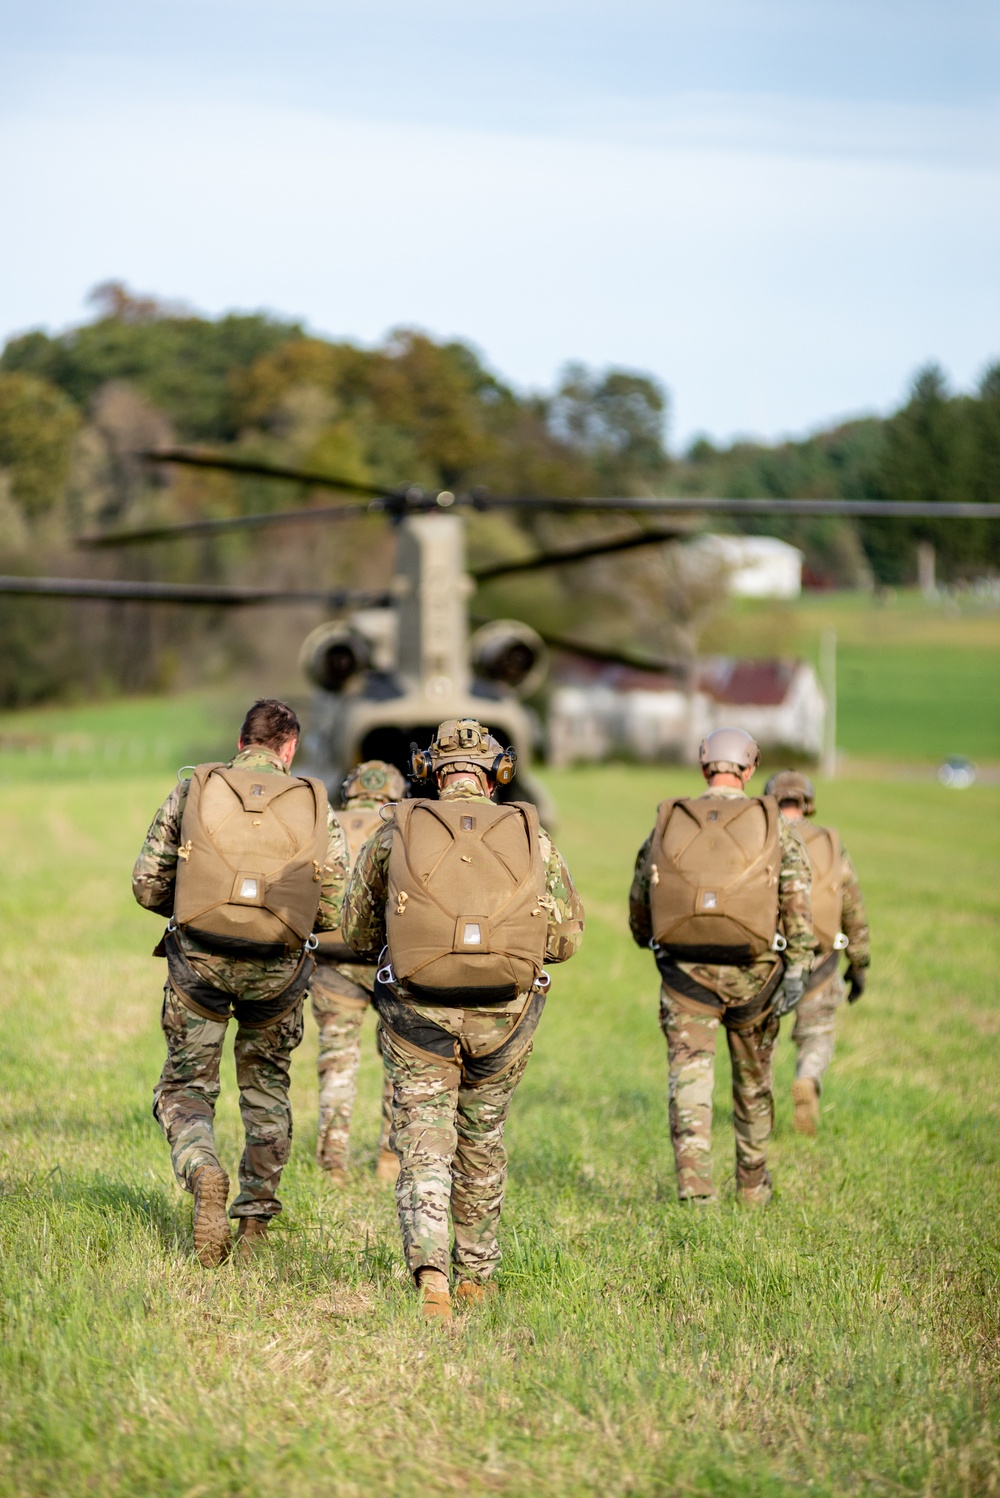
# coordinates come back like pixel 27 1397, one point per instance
pixel 385 975
pixel 311 942
pixel 779 943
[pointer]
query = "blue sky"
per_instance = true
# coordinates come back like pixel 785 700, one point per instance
pixel 781 210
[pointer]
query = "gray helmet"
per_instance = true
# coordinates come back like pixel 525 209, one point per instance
pixel 373 780
pixel 461 742
pixel 729 748
pixel 789 785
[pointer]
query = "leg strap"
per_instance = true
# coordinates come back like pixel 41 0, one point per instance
pixel 214 1003
pixel 733 1016
pixel 825 970
pixel 419 1033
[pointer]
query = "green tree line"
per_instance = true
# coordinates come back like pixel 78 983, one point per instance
pixel 79 408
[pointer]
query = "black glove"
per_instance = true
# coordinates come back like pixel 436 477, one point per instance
pixel 792 987
pixel 857 977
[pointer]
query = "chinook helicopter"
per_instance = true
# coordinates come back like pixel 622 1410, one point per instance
pixel 393 664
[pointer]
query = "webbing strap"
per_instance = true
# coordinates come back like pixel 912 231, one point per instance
pixel 733 1016
pixel 823 972
pixel 216 1003
pixel 420 1033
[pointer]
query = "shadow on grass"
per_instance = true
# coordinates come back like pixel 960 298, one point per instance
pixel 152 1207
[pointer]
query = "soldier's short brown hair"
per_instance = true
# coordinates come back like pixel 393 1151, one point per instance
pixel 270 723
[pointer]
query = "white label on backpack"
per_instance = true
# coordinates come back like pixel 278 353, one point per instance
pixel 710 900
pixel 473 935
pixel 248 889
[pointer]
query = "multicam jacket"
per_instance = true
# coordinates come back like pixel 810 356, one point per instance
pixel 156 867
pixel 738 984
pixel 364 904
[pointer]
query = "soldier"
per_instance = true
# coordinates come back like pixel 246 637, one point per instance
pixel 713 882
pixel 841 925
pixel 466 899
pixel 246 860
pixel 341 992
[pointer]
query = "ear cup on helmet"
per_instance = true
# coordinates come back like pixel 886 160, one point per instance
pixel 420 763
pixel 504 766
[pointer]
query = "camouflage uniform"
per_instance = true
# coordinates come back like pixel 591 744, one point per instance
pixel 184 1097
pixel 691 1028
pixel 340 994
pixel 447 1121
pixel 816 1014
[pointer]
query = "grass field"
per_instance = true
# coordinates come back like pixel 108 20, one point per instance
pixel 845 1341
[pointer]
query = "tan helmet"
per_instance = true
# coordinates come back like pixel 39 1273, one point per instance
pixel 729 749
pixel 789 785
pixel 373 780
pixel 460 742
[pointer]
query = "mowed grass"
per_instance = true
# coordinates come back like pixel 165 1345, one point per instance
pixel 916 681
pixel 844 1341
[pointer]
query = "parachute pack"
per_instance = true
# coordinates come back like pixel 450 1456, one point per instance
pixel 823 847
pixel 714 890
pixel 466 918
pixel 250 865
pixel 358 825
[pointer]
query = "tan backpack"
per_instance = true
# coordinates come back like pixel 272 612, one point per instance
pixel 823 847
pixel 358 824
pixel 465 915
pixel 253 847
pixel 714 891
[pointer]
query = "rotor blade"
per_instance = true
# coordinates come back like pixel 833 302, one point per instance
pixel 871 509
pixel 193 457
pixel 580 553
pixel 126 537
pixel 208 593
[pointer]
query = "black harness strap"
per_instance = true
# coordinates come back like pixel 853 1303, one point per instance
pixel 215 1003
pixel 823 972
pixel 423 1034
pixel 479 1069
pixel 407 1023
pixel 733 1016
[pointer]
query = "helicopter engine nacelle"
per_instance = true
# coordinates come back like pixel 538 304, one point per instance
pixel 332 654
pixel 511 654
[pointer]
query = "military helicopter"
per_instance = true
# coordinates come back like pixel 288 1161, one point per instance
pixel 393 664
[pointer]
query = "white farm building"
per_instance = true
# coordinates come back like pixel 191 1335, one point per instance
pixel 604 712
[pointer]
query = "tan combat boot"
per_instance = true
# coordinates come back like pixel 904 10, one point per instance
pixel 756 1196
pixel 475 1294
pixel 805 1096
pixel 212 1240
pixel 250 1235
pixel 386 1168
pixel 435 1294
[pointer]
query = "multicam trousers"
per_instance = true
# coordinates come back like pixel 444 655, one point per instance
pixel 813 1034
pixel 338 1007
pixel 691 1030
pixel 448 1134
pixel 184 1098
